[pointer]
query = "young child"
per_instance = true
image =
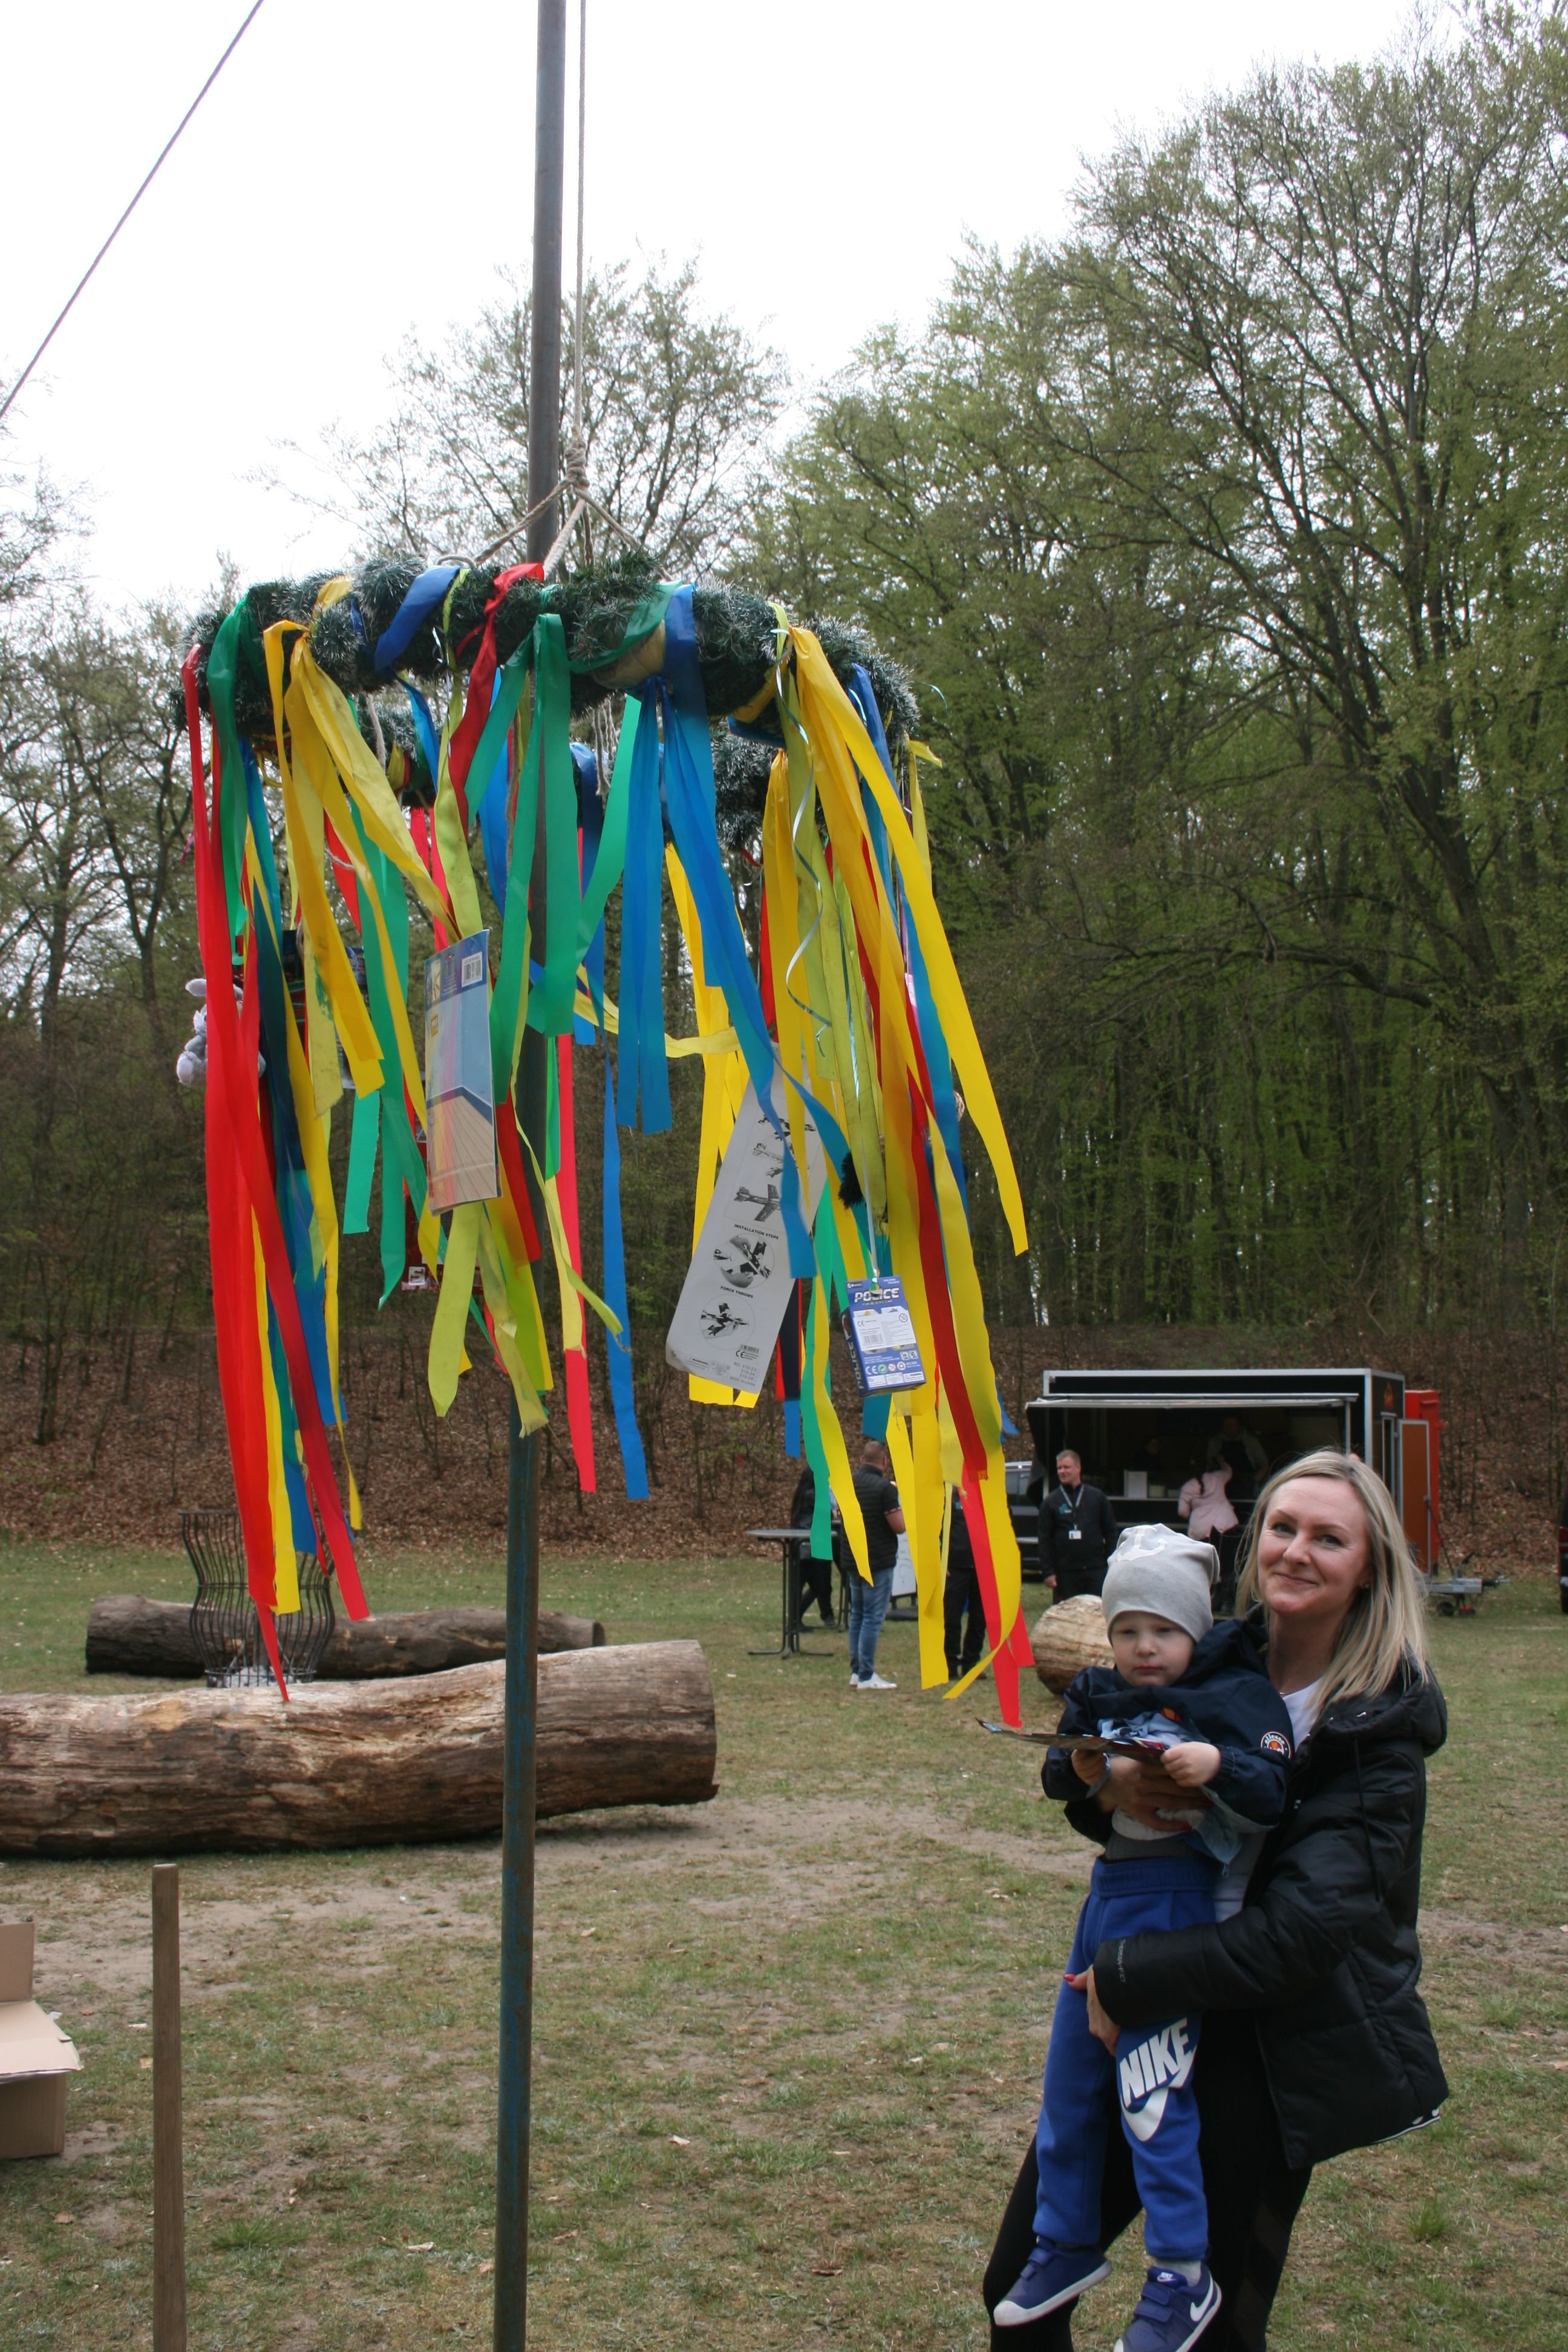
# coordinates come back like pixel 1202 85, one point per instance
pixel 1199 1691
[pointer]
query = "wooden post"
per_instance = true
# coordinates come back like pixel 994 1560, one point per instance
pixel 168 2125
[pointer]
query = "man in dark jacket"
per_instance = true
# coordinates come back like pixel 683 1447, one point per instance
pixel 1078 1531
pixel 962 1609
pixel 811 1578
pixel 884 1521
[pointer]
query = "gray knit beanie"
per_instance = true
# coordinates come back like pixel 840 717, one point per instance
pixel 1167 1573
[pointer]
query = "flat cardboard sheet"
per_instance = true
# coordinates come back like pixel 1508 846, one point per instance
pixel 30 2043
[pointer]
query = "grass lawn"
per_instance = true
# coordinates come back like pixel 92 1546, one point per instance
pixel 788 2043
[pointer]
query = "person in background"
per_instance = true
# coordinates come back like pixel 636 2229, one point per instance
pixel 1078 1531
pixel 964 1634
pixel 1150 1459
pixel 811 1579
pixel 1207 1507
pixel 878 1500
pixel 1241 1451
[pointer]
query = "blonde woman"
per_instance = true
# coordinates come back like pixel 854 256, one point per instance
pixel 1315 2037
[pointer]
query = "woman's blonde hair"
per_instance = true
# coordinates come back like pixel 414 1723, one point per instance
pixel 1386 1628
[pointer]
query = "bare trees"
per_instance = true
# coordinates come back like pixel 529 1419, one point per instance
pixel 677 405
pixel 97 1157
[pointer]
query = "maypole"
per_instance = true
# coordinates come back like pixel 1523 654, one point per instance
pixel 515 2086
pixel 368 735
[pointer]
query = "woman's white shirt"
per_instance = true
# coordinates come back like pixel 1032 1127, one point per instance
pixel 1303 1707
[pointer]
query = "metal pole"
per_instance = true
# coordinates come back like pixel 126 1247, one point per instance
pixel 515 2088
pixel 544 349
pixel 168 2136
pixel 517 1893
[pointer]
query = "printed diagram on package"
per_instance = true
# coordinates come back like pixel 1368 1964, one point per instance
pixel 739 1282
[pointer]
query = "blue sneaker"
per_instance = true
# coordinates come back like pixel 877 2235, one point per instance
pixel 1171 2314
pixel 1051 2277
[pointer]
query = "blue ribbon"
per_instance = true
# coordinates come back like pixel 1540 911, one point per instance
pixel 688 797
pixel 617 1345
pixel 301 1524
pixel 492 813
pixel 425 727
pixel 640 1070
pixel 424 598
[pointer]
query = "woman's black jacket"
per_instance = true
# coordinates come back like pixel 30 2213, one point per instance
pixel 1323 1951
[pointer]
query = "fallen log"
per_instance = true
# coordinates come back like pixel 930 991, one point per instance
pixel 431 1640
pixel 128 1635
pixel 1067 1637
pixel 384 1763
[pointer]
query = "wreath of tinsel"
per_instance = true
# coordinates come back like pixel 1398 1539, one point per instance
pixel 736 641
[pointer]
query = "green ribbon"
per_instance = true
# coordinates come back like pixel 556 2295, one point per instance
pixel 551 1004
pixel 400 1161
pixel 610 860
pixel 221 664
pixel 362 1140
pixel 643 618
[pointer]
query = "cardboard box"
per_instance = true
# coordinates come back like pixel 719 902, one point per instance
pixel 34 2056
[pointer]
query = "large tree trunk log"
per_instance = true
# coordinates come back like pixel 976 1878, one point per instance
pixel 127 1635
pixel 1067 1637
pixel 179 1771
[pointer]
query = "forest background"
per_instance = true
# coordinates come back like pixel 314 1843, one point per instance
pixel 1226 542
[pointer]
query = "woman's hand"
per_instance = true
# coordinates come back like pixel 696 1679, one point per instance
pixel 1146 1791
pixel 1104 2028
pixel 1090 1768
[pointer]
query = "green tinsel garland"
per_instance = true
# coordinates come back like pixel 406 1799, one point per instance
pixel 734 636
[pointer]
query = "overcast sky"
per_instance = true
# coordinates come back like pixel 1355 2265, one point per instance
pixel 362 170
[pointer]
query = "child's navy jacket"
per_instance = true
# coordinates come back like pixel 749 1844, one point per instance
pixel 1225 1696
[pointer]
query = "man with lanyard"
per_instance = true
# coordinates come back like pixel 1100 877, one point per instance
pixel 1078 1531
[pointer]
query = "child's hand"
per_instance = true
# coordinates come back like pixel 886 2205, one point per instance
pixel 1090 1768
pixel 1193 1763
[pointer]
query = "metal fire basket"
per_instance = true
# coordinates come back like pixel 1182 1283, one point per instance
pixel 223 1622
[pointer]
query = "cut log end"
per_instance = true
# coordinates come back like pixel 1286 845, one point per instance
pixel 1069 1637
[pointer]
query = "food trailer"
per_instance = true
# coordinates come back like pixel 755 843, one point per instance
pixel 1142 1435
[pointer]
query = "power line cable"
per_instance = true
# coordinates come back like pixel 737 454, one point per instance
pixel 119 224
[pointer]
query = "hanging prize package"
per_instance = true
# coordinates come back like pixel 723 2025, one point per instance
pixel 738 1284
pixel 883 1347
pixel 460 1149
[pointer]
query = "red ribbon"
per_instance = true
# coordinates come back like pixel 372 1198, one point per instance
pixel 481 680
pixel 241 1170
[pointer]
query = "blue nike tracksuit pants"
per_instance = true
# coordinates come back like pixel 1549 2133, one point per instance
pixel 1148 2082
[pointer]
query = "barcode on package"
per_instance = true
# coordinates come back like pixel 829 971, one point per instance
pixel 473 969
